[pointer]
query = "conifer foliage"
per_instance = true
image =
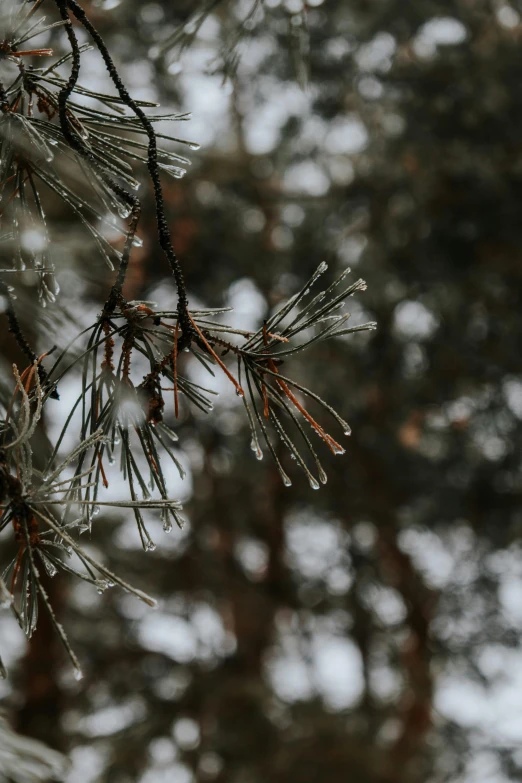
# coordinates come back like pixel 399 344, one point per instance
pixel 57 132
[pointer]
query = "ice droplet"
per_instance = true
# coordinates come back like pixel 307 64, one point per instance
pixel 48 565
pixel 95 510
pixel 172 435
pixel 124 211
pixel 112 461
pixel 254 445
pixel 286 480
pixel 323 266
pixel 150 546
pixel 323 478
pixel 313 482
pixel 78 674
pixel 137 241
pixel 102 585
pixel 348 431
pixel 194 146
pixel 175 171
pixel 240 392
pixel 167 526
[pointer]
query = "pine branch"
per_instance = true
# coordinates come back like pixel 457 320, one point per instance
pixel 120 410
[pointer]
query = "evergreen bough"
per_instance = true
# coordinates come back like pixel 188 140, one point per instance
pixel 52 139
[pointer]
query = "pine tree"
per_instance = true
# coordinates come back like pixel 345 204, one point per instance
pixel 301 635
pixel 60 137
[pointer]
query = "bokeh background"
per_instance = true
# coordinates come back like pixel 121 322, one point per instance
pixel 368 632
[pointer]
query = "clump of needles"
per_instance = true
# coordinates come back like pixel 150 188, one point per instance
pixel 52 139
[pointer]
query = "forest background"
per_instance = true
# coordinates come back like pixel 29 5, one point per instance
pixel 369 631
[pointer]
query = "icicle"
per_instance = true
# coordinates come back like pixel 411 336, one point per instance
pixel 167 526
pixel 171 434
pixel 254 445
pixel 174 171
pixel 123 210
pixel 102 585
pixel 48 565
